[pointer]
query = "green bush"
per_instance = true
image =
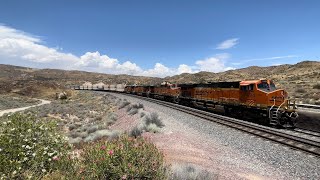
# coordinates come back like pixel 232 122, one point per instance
pixel 123 158
pixel 30 147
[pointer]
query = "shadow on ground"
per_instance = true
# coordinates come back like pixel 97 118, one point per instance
pixel 309 121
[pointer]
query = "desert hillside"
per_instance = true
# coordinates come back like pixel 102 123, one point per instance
pixel 301 80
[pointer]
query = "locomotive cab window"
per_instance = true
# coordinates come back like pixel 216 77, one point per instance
pixel 247 88
pixel 264 86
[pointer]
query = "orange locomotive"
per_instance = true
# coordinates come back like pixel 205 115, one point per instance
pixel 258 99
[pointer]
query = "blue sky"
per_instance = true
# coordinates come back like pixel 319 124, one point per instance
pixel 158 38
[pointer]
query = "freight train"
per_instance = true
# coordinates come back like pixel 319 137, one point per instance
pixel 259 100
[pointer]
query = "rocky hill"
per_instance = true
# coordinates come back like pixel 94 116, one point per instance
pixel 41 82
pixel 301 80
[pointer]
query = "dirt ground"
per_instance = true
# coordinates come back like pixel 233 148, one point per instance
pixel 309 120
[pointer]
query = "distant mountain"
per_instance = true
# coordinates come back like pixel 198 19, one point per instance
pixel 301 80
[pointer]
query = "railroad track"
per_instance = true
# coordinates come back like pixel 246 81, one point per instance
pixel 302 144
pixel 308 132
pixel 308 106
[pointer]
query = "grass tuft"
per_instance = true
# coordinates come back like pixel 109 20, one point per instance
pixel 136 132
pixel 153 118
pixel 124 104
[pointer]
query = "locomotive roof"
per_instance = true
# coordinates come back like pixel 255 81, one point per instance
pixel 234 84
pixel 244 83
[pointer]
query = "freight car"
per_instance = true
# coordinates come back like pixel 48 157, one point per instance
pixel 258 99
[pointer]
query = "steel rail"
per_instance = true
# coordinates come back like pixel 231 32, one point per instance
pixel 299 143
pixel 308 132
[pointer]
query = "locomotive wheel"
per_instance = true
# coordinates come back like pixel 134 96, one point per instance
pixel 226 110
pixel 176 99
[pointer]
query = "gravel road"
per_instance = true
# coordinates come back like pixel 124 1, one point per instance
pixel 228 153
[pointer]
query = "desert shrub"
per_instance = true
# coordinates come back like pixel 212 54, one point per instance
pixel 98 118
pixel 300 90
pixel 136 132
pixel 124 158
pixel 316 86
pixel 133 111
pixel 97 135
pixel 73 134
pixel 152 128
pixel 153 118
pixel 92 129
pixel 72 127
pixel 109 119
pixel 124 104
pixel 114 135
pixel 30 147
pixel 112 116
pixel 189 172
pixel 75 141
pixel 138 106
pixel 129 108
pixel 142 114
pixel 82 134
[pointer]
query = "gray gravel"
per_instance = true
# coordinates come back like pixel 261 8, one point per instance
pixel 243 150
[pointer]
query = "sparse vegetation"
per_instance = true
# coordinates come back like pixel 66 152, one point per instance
pixel 30 147
pixel 316 86
pixel 124 104
pixel 190 172
pixel 300 90
pixel 133 111
pixel 153 118
pixel 136 132
pixel 9 102
pixel 142 114
pixel 138 106
pixel 152 128
pixel 124 158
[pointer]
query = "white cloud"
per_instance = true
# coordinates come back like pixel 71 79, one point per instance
pixel 94 59
pixel 269 58
pixel 10 33
pixel 159 70
pixel 229 43
pixel 20 48
pixel 183 68
pixel 214 64
pixel 244 61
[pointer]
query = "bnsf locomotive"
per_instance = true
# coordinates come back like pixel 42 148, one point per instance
pixel 258 99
